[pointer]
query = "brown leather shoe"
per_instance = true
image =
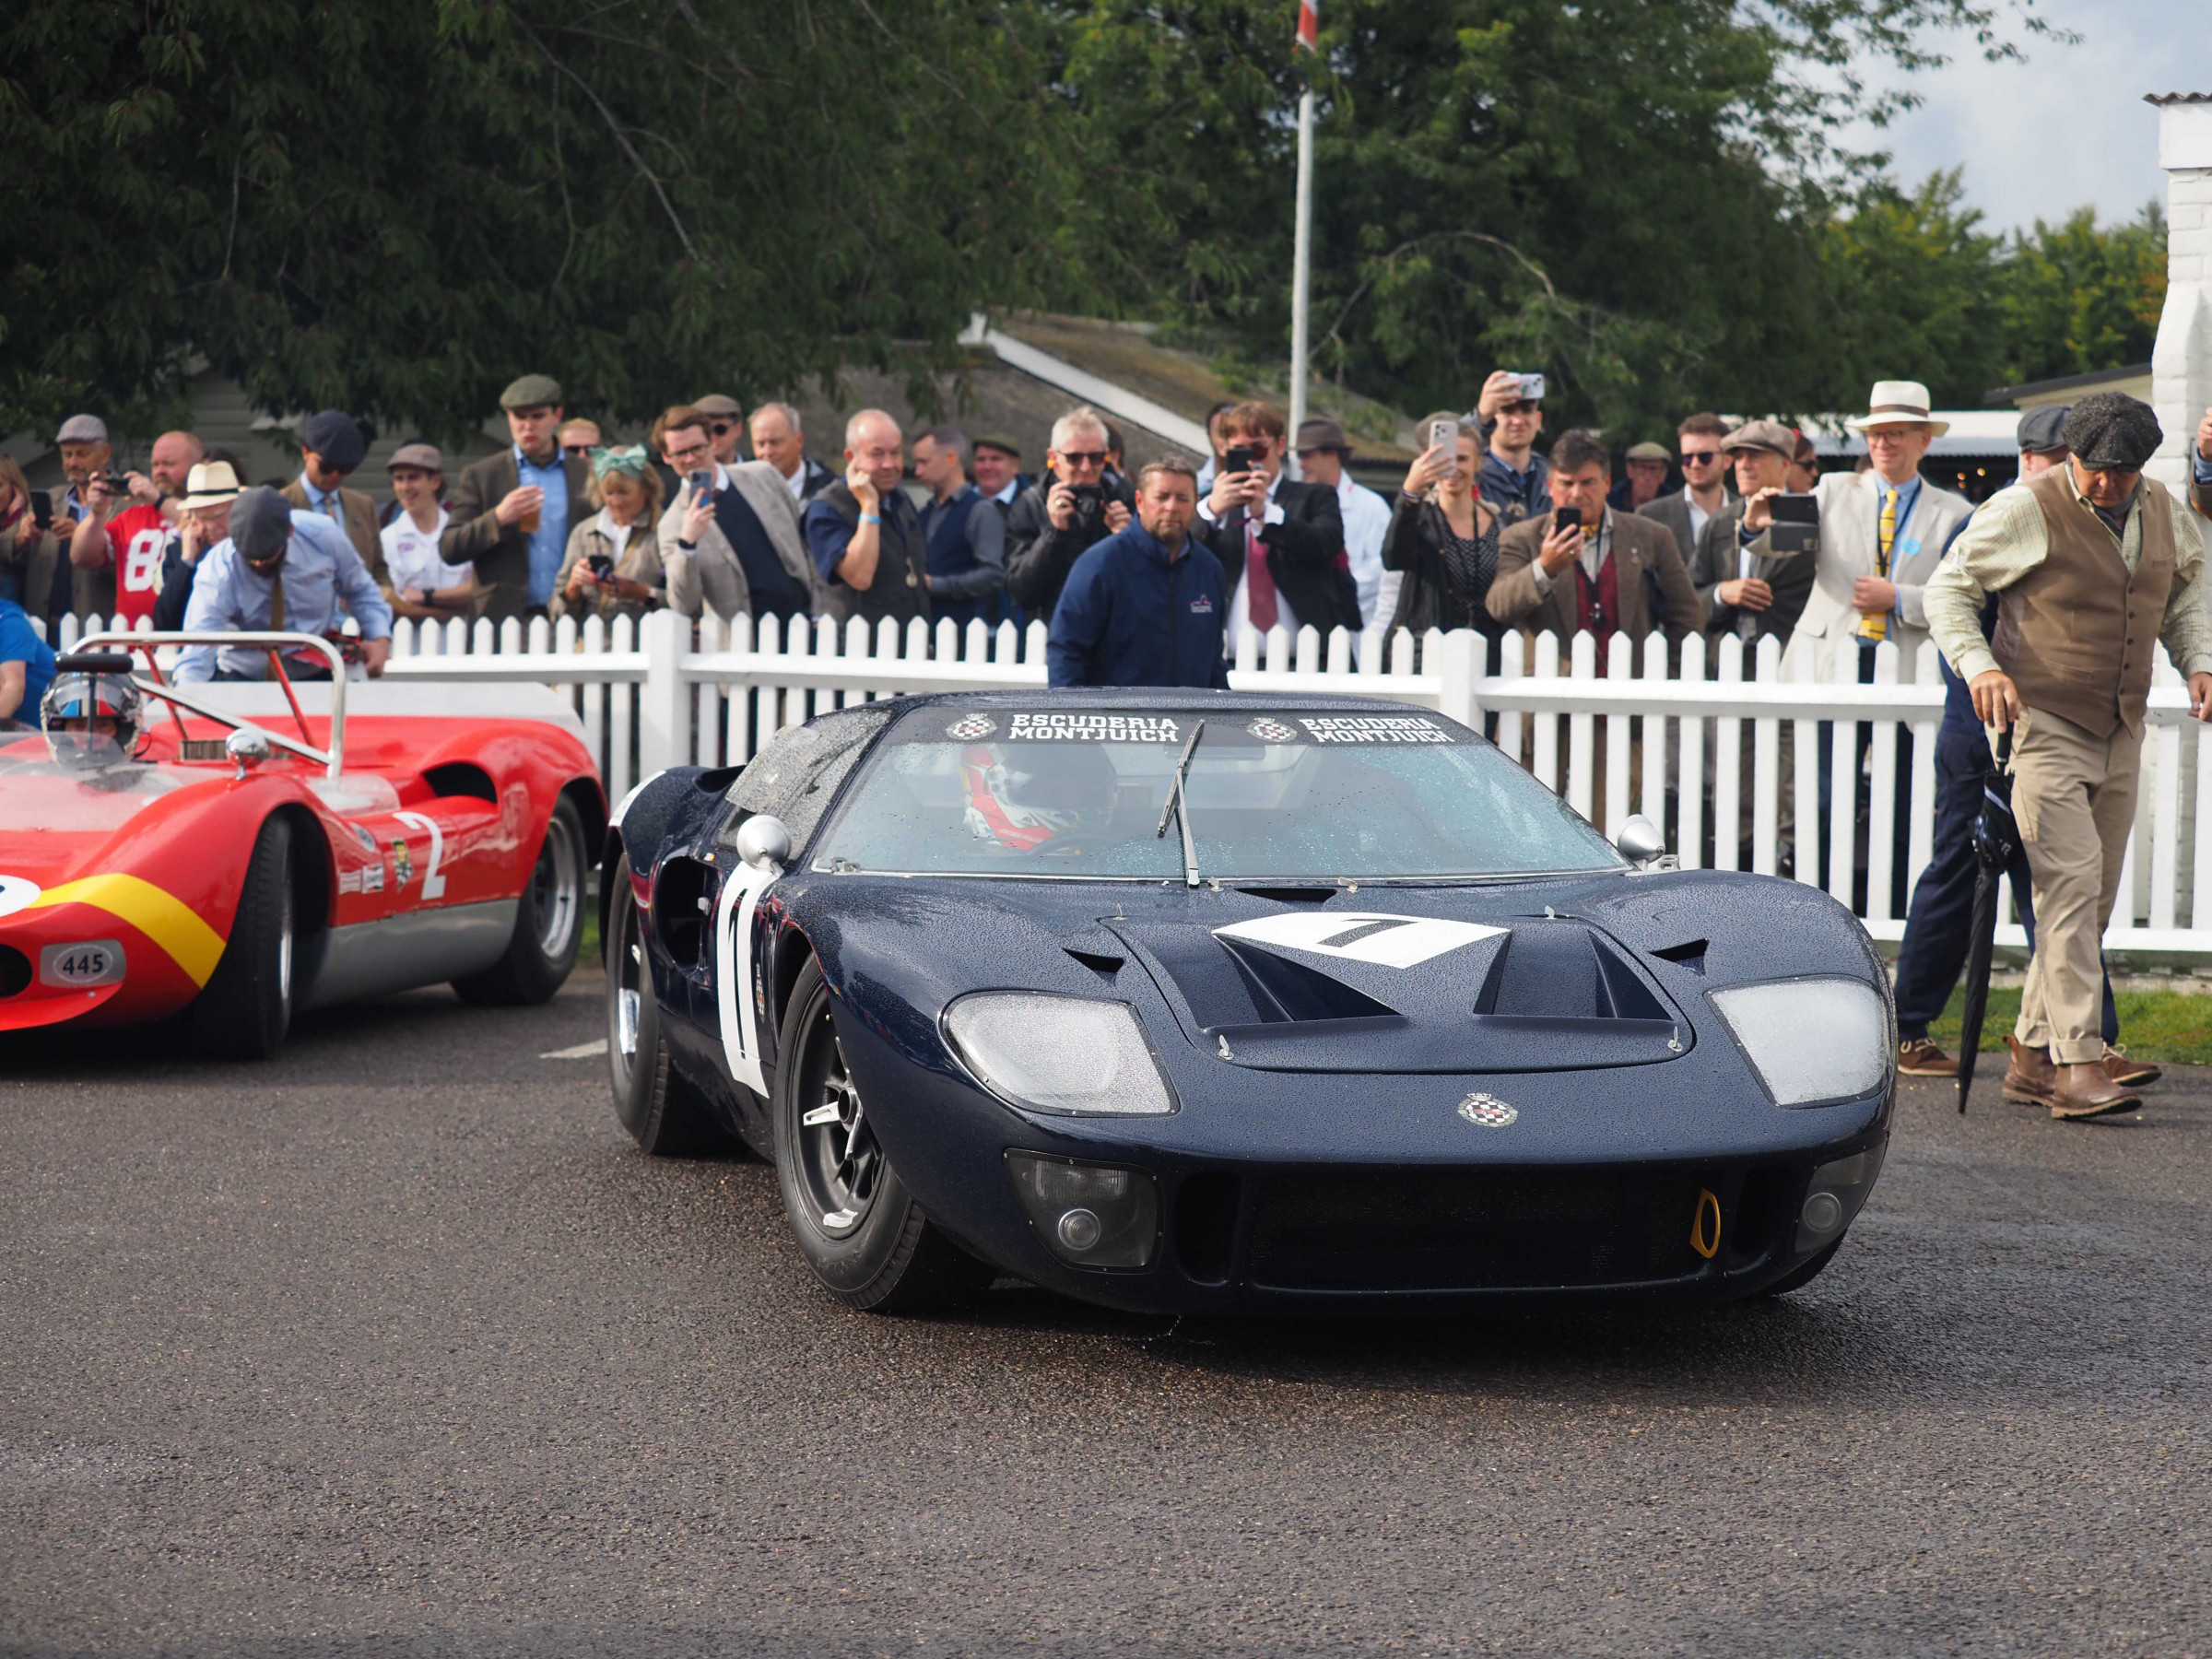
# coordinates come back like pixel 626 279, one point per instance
pixel 2128 1073
pixel 2084 1091
pixel 2029 1079
pixel 1918 1057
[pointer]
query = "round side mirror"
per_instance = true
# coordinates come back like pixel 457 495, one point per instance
pixel 1640 841
pixel 248 745
pixel 764 842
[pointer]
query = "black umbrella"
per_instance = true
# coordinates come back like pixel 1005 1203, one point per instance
pixel 1996 843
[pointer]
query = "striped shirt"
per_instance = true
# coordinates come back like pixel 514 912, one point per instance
pixel 2004 540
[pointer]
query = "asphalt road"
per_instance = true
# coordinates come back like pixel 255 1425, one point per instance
pixel 393 1346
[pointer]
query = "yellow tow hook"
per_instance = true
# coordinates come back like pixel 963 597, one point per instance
pixel 1705 1225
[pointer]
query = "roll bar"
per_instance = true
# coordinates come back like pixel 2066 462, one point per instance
pixel 331 760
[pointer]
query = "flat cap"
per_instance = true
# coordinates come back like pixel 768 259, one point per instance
pixel 333 435
pixel 417 455
pixel 1322 433
pixel 1648 452
pixel 82 428
pixel 532 392
pixel 1765 435
pixel 2110 429
pixel 718 403
pixel 2044 429
pixel 261 523
pixel 999 442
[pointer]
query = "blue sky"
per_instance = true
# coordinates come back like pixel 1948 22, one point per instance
pixel 2067 127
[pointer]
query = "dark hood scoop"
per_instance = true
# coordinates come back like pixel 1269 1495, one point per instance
pixel 1351 992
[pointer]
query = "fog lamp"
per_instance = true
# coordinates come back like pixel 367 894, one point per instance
pixel 1836 1194
pixel 1089 1215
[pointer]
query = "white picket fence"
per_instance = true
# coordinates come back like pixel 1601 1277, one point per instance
pixel 668 692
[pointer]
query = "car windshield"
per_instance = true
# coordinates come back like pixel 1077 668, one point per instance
pixel 1326 795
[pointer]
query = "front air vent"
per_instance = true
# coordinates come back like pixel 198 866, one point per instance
pixel 14 971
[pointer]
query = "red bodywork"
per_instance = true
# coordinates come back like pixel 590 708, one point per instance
pixel 151 858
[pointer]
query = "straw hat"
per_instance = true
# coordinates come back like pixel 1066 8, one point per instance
pixel 210 484
pixel 1898 403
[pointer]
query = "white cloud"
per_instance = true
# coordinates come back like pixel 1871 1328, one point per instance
pixel 2067 129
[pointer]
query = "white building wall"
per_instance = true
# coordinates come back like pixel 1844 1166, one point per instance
pixel 2182 361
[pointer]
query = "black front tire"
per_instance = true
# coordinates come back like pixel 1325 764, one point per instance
pixel 244 1010
pixel 859 1228
pixel 664 1114
pixel 549 922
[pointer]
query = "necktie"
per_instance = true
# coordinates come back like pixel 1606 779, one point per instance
pixel 1259 581
pixel 1876 627
pixel 334 509
pixel 276 600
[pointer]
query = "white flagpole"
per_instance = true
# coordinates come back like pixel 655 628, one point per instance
pixel 1301 253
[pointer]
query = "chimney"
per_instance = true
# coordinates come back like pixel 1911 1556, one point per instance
pixel 2182 361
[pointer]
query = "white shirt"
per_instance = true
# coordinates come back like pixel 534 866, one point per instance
pixel 1005 498
pixel 411 555
pixel 797 483
pixel 1366 522
pixel 1699 517
pixel 619 534
pixel 1239 605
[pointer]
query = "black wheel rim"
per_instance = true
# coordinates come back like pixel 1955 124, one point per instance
pixel 840 1165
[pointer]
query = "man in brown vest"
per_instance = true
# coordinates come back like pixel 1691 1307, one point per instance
pixel 2091 568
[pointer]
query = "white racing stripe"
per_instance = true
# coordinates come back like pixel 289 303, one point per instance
pixel 1386 941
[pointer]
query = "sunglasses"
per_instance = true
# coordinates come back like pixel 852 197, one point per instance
pixel 1083 457
pixel 723 429
pixel 575 449
pixel 1700 457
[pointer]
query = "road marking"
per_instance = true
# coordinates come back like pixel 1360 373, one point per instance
pixel 582 1051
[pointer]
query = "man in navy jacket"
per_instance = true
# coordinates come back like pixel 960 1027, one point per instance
pixel 1146 606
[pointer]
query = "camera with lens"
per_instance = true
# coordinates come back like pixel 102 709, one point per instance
pixel 1090 502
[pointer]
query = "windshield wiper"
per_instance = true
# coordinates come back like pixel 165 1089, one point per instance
pixel 1180 808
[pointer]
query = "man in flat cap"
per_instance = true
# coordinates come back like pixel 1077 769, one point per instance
pixel 510 514
pixel 331 449
pixel 2090 570
pixel 1324 456
pixel 1643 469
pixel 726 426
pixel 1750 589
pixel 280 571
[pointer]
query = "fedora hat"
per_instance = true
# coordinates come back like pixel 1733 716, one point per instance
pixel 1898 403
pixel 210 484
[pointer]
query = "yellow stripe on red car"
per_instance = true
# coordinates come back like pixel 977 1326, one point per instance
pixel 161 916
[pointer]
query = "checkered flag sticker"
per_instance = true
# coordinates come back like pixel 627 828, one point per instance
pixel 968 728
pixel 1271 731
pixel 1487 1111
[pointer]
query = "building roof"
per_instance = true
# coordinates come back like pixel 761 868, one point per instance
pixel 2041 390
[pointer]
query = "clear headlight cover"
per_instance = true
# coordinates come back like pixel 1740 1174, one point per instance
pixel 1811 1040
pixel 1065 1054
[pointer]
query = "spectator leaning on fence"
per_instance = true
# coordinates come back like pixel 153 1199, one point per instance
pixel 1324 455
pixel 730 540
pixel 1145 606
pixel 864 534
pixel 512 512
pixel 781 441
pixel 280 571
pixel 2092 566
pixel 1280 543
pixel 1937 932
pixel 331 450
pixel 966 541
pixel 1071 509
pixel 421 584
pixel 1442 540
pixel 26 667
pixel 1612 573
pixel 613 567
pixel 1747 592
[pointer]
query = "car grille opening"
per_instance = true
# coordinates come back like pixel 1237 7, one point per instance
pixel 1516 1228
pixel 1206 1227
pixel 14 971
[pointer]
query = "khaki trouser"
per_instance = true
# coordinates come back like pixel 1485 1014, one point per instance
pixel 2074 797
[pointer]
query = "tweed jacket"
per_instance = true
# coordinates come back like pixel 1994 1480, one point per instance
pixel 1851 511
pixel 502 552
pixel 1654 583
pixel 640 561
pixel 1673 510
pixel 361 527
pixel 710 576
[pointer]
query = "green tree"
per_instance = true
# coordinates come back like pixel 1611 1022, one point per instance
pixel 2076 298
pixel 395 206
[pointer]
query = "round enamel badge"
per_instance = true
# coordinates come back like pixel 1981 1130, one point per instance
pixel 968 728
pixel 1488 1110
pixel 1271 731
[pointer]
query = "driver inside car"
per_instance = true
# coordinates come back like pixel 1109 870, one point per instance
pixel 1025 795
pixel 92 720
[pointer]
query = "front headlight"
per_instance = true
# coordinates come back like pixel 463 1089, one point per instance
pixel 1064 1054
pixel 1812 1039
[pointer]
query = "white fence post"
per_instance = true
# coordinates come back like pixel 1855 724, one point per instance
pixel 663 739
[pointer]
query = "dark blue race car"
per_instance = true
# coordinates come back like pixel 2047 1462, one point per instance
pixel 1206 1001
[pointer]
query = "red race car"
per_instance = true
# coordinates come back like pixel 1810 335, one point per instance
pixel 236 851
